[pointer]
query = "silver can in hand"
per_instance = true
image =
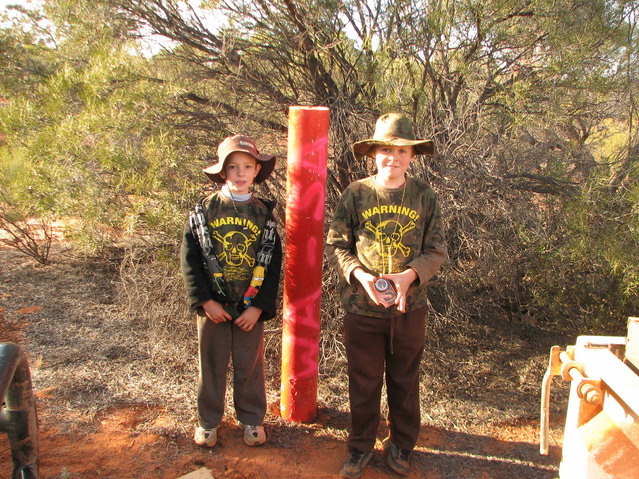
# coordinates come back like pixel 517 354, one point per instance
pixel 385 292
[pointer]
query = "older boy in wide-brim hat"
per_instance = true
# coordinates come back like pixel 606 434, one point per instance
pixel 386 241
pixel 392 129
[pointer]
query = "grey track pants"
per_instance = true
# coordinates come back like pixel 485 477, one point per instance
pixel 217 345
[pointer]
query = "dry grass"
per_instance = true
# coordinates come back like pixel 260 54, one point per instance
pixel 114 331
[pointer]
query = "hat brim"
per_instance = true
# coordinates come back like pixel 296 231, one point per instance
pixel 366 147
pixel 267 163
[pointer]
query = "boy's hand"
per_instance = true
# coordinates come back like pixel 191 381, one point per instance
pixel 402 282
pixel 248 318
pixel 215 311
pixel 366 280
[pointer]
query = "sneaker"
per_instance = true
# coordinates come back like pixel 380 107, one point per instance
pixel 397 458
pixel 253 435
pixel 355 463
pixel 205 437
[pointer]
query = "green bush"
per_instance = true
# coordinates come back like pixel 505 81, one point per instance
pixel 586 273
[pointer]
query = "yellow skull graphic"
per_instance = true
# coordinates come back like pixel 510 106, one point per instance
pixel 236 245
pixel 389 235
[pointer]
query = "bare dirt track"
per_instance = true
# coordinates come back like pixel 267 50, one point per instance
pixel 116 452
pixel 92 426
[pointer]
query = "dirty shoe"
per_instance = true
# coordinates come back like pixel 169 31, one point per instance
pixel 253 435
pixel 397 458
pixel 355 463
pixel 205 437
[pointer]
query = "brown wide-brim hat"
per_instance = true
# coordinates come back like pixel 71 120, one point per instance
pixel 393 129
pixel 245 144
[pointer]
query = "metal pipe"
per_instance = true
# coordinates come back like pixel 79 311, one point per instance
pixel 305 189
pixel 545 413
pixel 18 417
pixel 554 368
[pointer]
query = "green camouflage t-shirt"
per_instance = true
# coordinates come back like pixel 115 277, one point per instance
pixel 386 230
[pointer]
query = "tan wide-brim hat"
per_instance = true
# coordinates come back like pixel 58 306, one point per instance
pixel 393 129
pixel 245 144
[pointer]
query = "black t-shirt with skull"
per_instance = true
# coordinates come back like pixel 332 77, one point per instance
pixel 236 230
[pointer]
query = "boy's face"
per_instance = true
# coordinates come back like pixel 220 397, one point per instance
pixel 392 163
pixel 240 169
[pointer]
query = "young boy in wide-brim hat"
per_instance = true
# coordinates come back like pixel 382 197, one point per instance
pixel 231 260
pixel 386 241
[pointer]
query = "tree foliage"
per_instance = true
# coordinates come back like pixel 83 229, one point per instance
pixel 531 104
pixel 91 131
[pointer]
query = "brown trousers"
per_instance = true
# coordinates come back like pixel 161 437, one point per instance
pixel 394 346
pixel 217 344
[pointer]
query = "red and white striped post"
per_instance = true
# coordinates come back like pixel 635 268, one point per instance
pixel 306 195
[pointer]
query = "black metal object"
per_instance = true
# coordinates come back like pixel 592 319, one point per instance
pixel 18 413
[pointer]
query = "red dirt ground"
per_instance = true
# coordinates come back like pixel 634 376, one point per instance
pixel 117 452
pixel 114 452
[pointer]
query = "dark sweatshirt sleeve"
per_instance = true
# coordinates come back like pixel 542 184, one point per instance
pixel 266 297
pixel 196 282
